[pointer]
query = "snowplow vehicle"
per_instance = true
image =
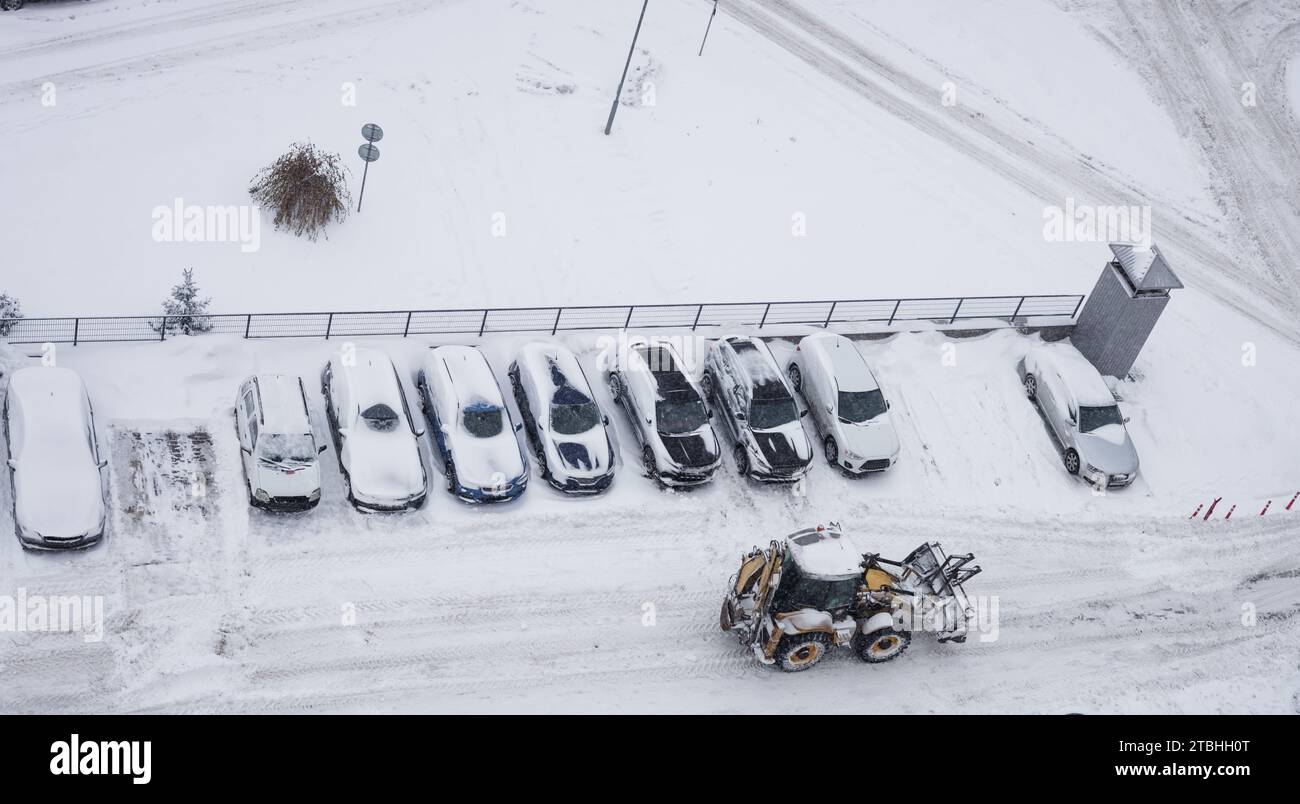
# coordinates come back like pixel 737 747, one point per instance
pixel 810 591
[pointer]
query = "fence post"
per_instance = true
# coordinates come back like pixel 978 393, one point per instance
pixel 829 315
pixel 407 329
pixel 953 320
pixel 248 325
pixel 558 312
pixel 766 310
pixel 76 330
pixel 162 330
pixel 891 315
pixel 628 322
pixel 1077 305
pixel 698 313
pixel 482 324
pixel 329 325
pixel 1017 312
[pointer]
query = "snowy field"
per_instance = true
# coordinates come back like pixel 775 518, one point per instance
pixel 824 111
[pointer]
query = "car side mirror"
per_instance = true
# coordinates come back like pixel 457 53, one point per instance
pixel 245 450
pixel 604 420
pixel 13 464
pixel 103 464
pixel 1126 420
pixel 803 413
pixel 519 426
pixel 830 408
pixel 419 432
pixel 888 404
pixel 343 432
pixel 740 416
pixel 321 449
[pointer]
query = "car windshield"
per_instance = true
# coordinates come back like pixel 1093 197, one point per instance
pixel 574 419
pixel 765 414
pixel 857 407
pixel 482 420
pixel 1092 418
pixel 681 414
pixel 279 448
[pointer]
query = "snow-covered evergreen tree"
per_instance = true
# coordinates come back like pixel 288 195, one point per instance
pixel 183 310
pixel 10 311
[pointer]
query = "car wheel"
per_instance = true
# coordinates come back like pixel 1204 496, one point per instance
pixel 1031 386
pixel 615 388
pixel 542 468
pixel 706 385
pixel 881 646
pixel 648 461
pixel 796 377
pixel 451 477
pixel 742 460
pixel 1072 461
pixel 799 652
pixel 832 451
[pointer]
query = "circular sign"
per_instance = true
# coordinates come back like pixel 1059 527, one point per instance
pixel 368 152
pixel 372 132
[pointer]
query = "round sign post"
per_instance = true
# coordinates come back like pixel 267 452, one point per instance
pixel 369 152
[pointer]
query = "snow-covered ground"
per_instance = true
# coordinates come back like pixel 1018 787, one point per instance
pixel 825 109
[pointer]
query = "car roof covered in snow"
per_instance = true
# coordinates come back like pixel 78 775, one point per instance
pixel 759 366
pixel 284 409
pixel 469 374
pixel 49 397
pixel 556 372
pixel 824 552
pixel 373 378
pixel 1084 381
pixel 846 363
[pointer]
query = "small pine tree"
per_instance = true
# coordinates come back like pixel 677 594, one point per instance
pixel 307 188
pixel 183 310
pixel 10 312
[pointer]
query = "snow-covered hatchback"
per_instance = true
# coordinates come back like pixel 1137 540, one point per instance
pixel 1082 414
pixel 376 439
pixel 566 428
pixel 56 470
pixel 668 415
pixel 472 428
pixel 277 443
pixel 760 412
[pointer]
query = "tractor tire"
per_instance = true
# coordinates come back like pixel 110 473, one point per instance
pixel 725 619
pixel 798 652
pixel 881 646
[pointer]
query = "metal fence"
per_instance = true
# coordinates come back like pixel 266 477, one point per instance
pixel 1012 310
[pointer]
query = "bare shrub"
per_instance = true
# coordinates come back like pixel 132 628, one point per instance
pixel 307 188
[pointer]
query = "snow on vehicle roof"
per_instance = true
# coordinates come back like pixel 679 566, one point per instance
pixel 470 376
pixel 823 552
pixel 49 397
pixel 759 366
pixel 373 378
pixel 1082 378
pixel 283 407
pixel 844 361
pixel 557 372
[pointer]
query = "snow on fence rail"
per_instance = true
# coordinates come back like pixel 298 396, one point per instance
pixel 1013 310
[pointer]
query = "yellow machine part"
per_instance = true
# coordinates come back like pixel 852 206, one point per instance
pixel 878 579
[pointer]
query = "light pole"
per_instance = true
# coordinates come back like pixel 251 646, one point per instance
pixel 609 125
pixel 708 26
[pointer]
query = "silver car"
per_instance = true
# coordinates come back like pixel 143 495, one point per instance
pixel 1082 414
pixel 55 465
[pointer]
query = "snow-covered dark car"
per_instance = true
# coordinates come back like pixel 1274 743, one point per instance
pixel 56 470
pixel 760 412
pixel 375 438
pixel 12 5
pixel 472 428
pixel 668 415
pixel 565 426
pixel 1082 414
pixel 277 443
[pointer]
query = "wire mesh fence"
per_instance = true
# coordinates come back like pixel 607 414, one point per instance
pixel 1009 310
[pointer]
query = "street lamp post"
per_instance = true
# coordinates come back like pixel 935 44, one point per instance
pixel 609 125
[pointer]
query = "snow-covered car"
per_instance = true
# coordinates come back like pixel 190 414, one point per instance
pixel 1082 414
pixel 277 443
pixel 472 428
pixel 375 438
pixel 668 415
pixel 12 5
pixel 849 411
pixel 56 470
pixel 566 428
pixel 745 381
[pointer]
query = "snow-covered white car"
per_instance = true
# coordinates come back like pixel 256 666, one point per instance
pixel 668 414
pixel 848 408
pixel 1082 413
pixel 568 431
pixel 56 470
pixel 472 428
pixel 743 378
pixel 375 438
pixel 277 443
